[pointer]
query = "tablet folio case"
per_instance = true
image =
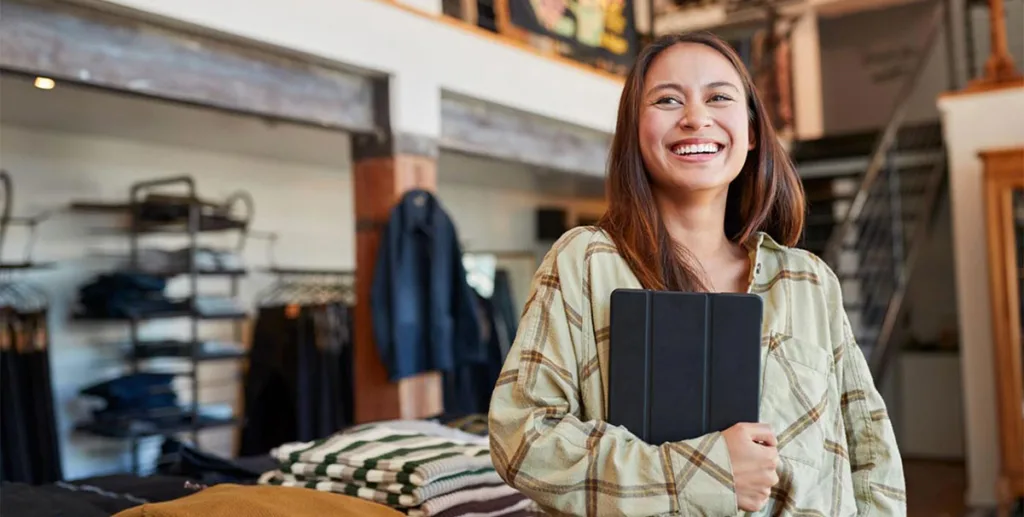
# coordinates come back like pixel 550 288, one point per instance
pixel 683 365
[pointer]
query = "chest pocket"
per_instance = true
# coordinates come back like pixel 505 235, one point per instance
pixel 795 397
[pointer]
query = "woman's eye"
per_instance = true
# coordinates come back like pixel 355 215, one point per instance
pixel 668 101
pixel 718 97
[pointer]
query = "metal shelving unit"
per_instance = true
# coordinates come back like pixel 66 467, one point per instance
pixel 191 346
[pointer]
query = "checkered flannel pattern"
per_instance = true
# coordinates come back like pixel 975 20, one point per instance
pixel 550 441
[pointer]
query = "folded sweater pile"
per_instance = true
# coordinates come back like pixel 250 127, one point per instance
pixel 416 468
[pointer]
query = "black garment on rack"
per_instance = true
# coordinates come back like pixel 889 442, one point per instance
pixel 468 388
pixel 299 383
pixel 506 312
pixel 29 444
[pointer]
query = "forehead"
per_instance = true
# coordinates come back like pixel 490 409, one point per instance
pixel 691 64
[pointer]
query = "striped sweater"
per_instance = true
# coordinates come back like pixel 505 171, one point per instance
pixel 388 464
pixel 548 434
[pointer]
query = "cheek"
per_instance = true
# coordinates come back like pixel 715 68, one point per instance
pixel 740 131
pixel 653 128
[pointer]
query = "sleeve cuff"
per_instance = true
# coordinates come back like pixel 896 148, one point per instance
pixel 703 473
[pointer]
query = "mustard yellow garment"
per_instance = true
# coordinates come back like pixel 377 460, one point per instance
pixel 548 435
pixel 262 501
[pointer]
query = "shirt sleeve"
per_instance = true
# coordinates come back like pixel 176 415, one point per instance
pixel 878 481
pixel 542 446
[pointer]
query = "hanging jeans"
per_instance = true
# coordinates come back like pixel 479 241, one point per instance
pixel 29 446
pixel 299 383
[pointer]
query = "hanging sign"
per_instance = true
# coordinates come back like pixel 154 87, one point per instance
pixel 597 32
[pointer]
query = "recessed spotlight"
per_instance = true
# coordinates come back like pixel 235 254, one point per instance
pixel 45 83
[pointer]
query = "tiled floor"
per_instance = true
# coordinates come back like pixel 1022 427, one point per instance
pixel 935 488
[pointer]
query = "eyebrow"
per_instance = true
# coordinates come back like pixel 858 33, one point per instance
pixel 676 87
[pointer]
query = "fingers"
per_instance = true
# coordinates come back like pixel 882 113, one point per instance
pixel 754 502
pixel 773 457
pixel 763 433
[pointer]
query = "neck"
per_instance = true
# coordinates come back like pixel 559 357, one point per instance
pixel 698 223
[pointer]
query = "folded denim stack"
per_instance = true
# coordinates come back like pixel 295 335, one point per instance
pixel 423 469
pixel 158 261
pixel 125 295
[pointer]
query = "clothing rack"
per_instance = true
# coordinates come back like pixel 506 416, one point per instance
pixel 299 385
pixel 7 220
pixel 30 444
pixel 309 287
pixel 152 210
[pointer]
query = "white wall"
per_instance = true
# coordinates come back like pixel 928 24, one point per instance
pixel 867 56
pixel 424 55
pixel 972 123
pixel 932 301
pixel 309 204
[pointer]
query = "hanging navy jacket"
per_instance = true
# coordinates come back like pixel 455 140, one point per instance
pixel 424 318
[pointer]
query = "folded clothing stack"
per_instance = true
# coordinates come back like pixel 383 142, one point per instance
pixel 158 261
pixel 125 295
pixel 423 469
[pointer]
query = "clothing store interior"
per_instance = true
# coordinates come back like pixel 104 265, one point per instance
pixel 219 262
pixel 102 386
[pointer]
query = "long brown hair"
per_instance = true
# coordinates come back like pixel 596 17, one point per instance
pixel 766 196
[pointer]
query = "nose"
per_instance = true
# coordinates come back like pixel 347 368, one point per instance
pixel 695 116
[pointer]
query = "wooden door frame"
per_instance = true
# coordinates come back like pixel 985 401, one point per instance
pixel 1004 173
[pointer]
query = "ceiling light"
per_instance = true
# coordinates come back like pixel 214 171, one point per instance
pixel 45 83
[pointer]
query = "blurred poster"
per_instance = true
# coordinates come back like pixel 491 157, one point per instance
pixel 597 32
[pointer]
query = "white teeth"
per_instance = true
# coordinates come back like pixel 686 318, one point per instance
pixel 695 149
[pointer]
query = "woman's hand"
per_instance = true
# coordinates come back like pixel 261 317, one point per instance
pixel 754 460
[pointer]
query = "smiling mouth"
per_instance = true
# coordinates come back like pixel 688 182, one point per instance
pixel 696 149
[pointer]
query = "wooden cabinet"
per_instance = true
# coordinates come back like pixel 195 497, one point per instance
pixel 1004 208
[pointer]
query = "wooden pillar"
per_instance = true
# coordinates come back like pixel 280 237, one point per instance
pixel 805 57
pixel 386 165
pixel 999 68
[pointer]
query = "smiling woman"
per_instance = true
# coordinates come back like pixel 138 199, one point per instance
pixel 689 90
pixel 701 197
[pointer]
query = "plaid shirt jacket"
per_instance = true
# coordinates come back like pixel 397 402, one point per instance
pixel 549 438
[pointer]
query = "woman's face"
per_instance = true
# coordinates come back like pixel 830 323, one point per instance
pixel 694 126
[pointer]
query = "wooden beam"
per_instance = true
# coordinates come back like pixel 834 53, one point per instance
pixel 89 46
pixel 479 128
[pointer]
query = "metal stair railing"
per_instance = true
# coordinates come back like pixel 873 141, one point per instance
pixel 881 236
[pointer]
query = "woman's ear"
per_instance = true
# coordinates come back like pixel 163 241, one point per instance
pixel 753 138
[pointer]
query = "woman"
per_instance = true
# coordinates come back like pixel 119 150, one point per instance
pixel 701 198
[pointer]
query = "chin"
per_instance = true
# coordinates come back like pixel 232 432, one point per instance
pixel 699 187
pixel 696 179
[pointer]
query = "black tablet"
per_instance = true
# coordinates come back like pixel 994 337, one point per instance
pixel 682 365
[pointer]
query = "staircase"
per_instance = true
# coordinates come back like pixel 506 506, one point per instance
pixel 872 199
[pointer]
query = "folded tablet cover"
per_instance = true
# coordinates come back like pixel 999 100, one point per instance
pixel 683 365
